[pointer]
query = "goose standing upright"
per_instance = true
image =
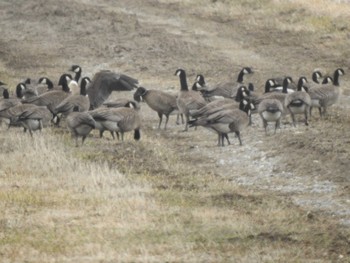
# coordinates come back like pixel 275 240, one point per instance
pixel 187 99
pixel 324 96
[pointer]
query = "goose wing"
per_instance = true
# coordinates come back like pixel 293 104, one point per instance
pixel 104 82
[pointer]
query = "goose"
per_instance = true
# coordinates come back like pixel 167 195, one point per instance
pixel 30 116
pixel 8 102
pixel 324 96
pixel 123 119
pixel 162 102
pixel 273 95
pixel 207 109
pixel 80 124
pixel 299 102
pixel 81 100
pixel 270 110
pixel 77 70
pixel 53 98
pixel 227 89
pixel 227 121
pixel 187 99
pixel 105 82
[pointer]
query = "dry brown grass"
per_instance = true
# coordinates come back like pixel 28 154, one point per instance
pixel 65 203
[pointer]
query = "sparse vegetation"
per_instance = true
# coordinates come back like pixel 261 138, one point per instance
pixel 173 196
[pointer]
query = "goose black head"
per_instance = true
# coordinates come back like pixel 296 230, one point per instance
pixel 269 84
pixel 180 72
pixel 316 76
pixel 141 91
pixel 301 82
pixel 338 72
pixel 244 71
pixel 2 83
pixel 242 92
pixel 19 89
pixel 77 70
pixel 46 81
pixel 247 106
pixel 85 82
pixel 200 79
pixel 286 82
pixel 64 79
pixel 327 80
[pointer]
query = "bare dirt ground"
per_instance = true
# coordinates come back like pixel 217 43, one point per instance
pixel 151 39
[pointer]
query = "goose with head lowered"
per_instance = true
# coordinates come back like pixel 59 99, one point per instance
pixel 225 121
pixel 187 100
pixel 80 124
pixel 162 102
pixel 120 120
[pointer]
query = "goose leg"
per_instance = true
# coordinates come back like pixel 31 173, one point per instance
pixel 166 121
pixel 238 134
pixel 160 119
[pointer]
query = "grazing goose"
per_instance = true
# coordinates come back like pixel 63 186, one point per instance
pixel 270 110
pixel 77 70
pixel 299 102
pixel 80 100
pixel 324 96
pixel 123 119
pixel 227 121
pixel 160 101
pixel 187 99
pixel 30 116
pixel 80 124
pixel 105 82
pixel 207 109
pixel 227 89
pixel 53 98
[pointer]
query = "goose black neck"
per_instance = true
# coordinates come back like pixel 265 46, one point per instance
pixel 183 81
pixel 19 93
pixel 77 76
pixel 300 84
pixel 83 90
pixel 315 79
pixel 6 94
pixel 336 78
pixel 240 76
pixel 49 84
pixel 267 86
pixel 194 86
pixel 285 86
pixel 65 87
